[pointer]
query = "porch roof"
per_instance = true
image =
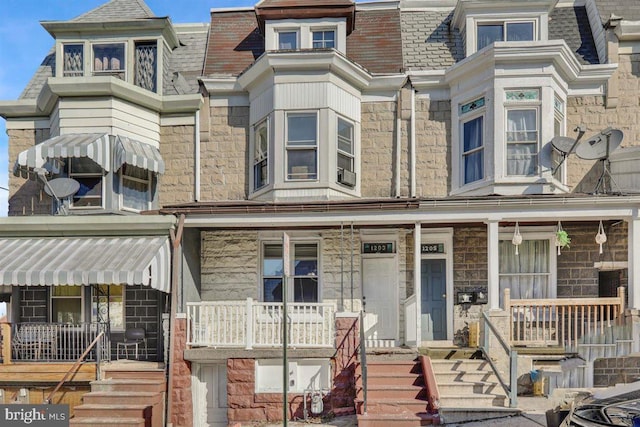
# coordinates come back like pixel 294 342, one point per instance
pixel 51 261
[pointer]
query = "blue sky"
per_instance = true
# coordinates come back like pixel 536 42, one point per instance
pixel 24 43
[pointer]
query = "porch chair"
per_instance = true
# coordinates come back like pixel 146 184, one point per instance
pixel 24 346
pixel 133 337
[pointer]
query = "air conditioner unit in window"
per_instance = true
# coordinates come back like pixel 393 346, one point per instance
pixel 347 177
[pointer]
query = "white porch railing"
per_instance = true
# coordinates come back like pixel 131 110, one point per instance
pixel 251 324
pixel 561 321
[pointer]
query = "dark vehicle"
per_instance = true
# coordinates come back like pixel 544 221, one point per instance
pixel 614 409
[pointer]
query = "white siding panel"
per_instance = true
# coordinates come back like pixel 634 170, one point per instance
pixel 261 106
pixel 317 95
pixel 54 122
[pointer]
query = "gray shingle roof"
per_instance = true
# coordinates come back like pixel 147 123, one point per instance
pixel 428 41
pixel 629 10
pixel 572 25
pixel 188 60
pixel 39 78
pixel 117 10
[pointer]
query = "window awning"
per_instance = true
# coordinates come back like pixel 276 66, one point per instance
pixel 52 261
pixel 95 146
pixel 139 154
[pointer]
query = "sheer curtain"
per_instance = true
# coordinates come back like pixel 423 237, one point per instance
pixel 473 151
pixel 522 145
pixel 527 274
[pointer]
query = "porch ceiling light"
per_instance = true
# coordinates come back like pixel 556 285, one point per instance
pixel 601 237
pixel 517 238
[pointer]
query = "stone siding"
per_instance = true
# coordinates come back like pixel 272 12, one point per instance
pixel 590 112
pixel 26 197
pixel 176 185
pixel 181 397
pixel 225 159
pixel 577 276
pixel 433 148
pixel 617 370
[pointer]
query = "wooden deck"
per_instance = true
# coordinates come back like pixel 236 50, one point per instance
pixel 46 373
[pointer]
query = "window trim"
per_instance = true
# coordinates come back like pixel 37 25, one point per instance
pixel 81 298
pixel 264 123
pixel 148 181
pixel 351 156
pixel 294 240
pixel 504 19
pixel 480 114
pixel 288 147
pixel 521 107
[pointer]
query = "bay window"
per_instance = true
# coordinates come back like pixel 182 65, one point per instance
pixel 260 155
pixel 302 146
pixel 345 151
pixel 136 188
pixel 522 141
pixel 473 150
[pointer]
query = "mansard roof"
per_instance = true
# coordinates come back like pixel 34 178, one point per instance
pixel 117 10
pixel 628 10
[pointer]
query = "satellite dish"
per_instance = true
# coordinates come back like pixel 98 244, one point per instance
pixel 599 146
pixel 563 144
pixel 62 187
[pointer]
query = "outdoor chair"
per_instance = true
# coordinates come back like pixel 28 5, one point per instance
pixel 133 338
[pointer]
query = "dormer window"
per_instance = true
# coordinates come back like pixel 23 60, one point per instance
pixel 504 31
pixel 287 40
pixel 146 59
pixel 325 39
pixel 108 59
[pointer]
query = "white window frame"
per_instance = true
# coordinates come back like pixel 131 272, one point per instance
pixel 110 72
pixel 482 148
pixel 293 147
pixel 263 124
pixel 87 175
pixel 536 233
pixel 559 116
pixel 268 374
pixel 323 30
pixel 293 242
pixel 281 31
pixel 504 23
pixel 537 130
pixel 341 153
pixel 305 29
pixel 147 181
pixel 53 297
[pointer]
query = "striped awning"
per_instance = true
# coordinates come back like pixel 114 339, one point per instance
pixel 95 146
pixel 139 154
pixel 51 261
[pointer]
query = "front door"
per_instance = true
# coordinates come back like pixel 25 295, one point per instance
pixel 380 283
pixel 434 308
pixel 210 395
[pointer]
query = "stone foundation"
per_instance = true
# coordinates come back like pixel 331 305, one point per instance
pixel 182 404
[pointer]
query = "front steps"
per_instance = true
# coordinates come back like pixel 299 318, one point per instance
pixel 396 394
pixel 469 391
pixel 127 397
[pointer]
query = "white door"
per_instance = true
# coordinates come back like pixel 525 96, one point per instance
pixel 210 395
pixel 379 287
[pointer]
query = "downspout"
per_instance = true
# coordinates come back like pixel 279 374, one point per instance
pixel 176 240
pixel 196 160
pixel 398 164
pixel 412 138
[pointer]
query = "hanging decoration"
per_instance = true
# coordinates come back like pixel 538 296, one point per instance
pixel 601 237
pixel 517 237
pixel 562 238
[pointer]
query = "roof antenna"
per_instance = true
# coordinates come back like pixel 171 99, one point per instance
pixel 58 189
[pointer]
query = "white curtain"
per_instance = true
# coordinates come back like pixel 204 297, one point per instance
pixel 526 274
pixel 522 142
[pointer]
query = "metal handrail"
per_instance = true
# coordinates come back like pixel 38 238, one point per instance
pixel 512 388
pixel 363 363
pixel 75 366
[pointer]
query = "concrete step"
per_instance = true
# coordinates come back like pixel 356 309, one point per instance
pixel 460 366
pixel 113 411
pixel 450 353
pixel 153 386
pixel 121 398
pixel 465 400
pixel 397 420
pixel 468 387
pixel 143 374
pixel 392 378
pixel 385 406
pixel 108 422
pixel 464 415
pixel 394 392
pixel 392 367
pixel 466 376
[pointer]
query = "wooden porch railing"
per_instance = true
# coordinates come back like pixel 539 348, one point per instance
pixel 250 323
pixel 561 321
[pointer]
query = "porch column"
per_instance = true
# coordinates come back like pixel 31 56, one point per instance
pixel 493 265
pixel 633 245
pixel 417 282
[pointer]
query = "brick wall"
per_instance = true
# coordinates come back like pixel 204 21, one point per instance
pixel 343 390
pixel 25 196
pixel 182 401
pixel 143 307
pixel 618 370
pixel 177 148
pixel 34 303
